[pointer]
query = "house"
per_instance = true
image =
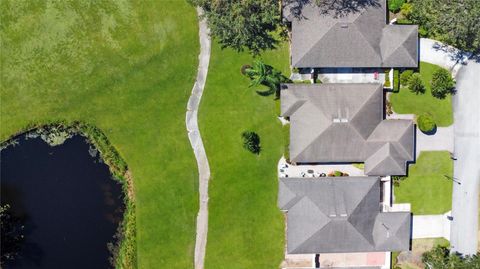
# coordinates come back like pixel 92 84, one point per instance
pixel 344 123
pixel 326 215
pixel 348 34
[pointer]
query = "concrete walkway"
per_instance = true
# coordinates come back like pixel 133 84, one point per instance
pixel 441 140
pixel 431 226
pixel 197 144
pixel 464 225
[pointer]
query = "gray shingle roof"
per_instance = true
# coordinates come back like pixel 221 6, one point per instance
pixel 356 39
pixel 344 123
pixel 327 215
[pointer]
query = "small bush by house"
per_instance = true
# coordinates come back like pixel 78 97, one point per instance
pixel 387 79
pixel 426 123
pixel 442 83
pixel 251 142
pixel 405 77
pixel 337 174
pixel 406 10
pixel 395 5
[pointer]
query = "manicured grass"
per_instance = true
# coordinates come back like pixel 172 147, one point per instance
pixel 246 229
pixel 127 68
pixel 406 102
pixel 426 187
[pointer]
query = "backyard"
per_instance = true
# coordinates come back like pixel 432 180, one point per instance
pixel 127 68
pixel 426 187
pixel 246 229
pixel 407 102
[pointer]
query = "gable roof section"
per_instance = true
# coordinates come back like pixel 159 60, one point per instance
pixel 339 215
pixel 344 123
pixel 356 39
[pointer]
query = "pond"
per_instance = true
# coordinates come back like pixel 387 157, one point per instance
pixel 67 201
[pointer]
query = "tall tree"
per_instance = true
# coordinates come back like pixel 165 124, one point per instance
pixel 243 24
pixel 455 22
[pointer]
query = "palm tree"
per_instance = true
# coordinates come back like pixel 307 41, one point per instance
pixel 262 74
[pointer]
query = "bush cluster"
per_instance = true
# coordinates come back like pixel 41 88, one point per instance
pixel 251 142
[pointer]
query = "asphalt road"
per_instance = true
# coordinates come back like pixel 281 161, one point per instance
pixel 466 104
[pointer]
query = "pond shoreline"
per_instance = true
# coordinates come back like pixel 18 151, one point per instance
pixel 123 250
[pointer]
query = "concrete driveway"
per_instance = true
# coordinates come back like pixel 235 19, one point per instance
pixel 466 102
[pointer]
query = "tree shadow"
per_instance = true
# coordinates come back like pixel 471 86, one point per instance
pixel 336 8
pixel 454 54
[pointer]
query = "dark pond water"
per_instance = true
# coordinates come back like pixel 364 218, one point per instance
pixel 67 200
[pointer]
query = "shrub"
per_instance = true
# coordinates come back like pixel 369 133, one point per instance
pixel 426 123
pixel 389 108
pixel 405 77
pixel 395 5
pixel 251 142
pixel 406 9
pixel 404 22
pixel 387 79
pixel 337 174
pixel 442 83
pixel 415 84
pixel 396 80
pixel 397 179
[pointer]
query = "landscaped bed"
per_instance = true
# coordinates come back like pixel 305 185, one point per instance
pixel 428 186
pixel 246 228
pixel 407 102
pixel 127 69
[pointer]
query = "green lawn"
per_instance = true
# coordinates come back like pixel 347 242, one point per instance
pixel 127 67
pixel 246 229
pixel 406 102
pixel 426 188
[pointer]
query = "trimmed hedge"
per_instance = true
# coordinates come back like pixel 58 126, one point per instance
pixel 387 79
pixel 396 80
pixel 426 123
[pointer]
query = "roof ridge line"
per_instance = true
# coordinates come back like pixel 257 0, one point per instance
pixel 396 48
pixel 366 100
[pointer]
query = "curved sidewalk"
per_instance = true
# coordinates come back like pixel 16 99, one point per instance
pixel 448 57
pixel 197 144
